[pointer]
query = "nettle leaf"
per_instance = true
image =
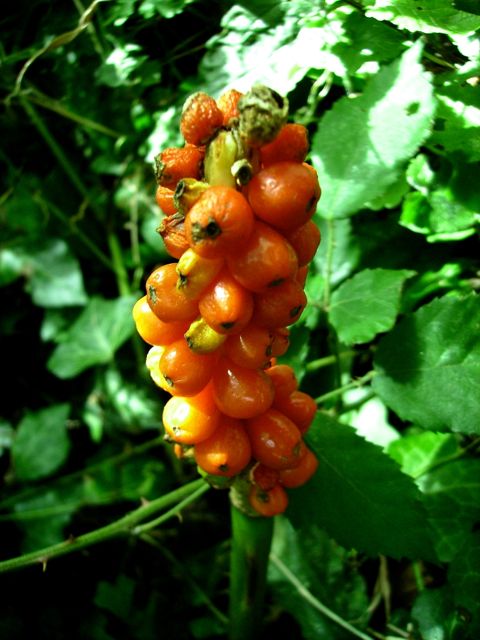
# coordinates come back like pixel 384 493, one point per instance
pixel 362 142
pixel 41 443
pixel 367 304
pixel 428 16
pixel 54 275
pixel 428 366
pixel 360 496
pixel 98 332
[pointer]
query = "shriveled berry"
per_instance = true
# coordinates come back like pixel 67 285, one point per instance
pixel 200 118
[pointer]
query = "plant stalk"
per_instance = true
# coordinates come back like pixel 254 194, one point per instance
pixel 251 541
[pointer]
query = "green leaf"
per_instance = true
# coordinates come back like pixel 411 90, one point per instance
pixel 416 453
pixel 324 569
pixel 457 124
pixel 470 6
pixel 269 46
pixel 428 16
pixel 360 496
pixel 94 337
pixel 55 278
pixel 464 576
pixel 434 610
pixel 428 366
pixel 165 8
pixel 367 304
pixel 362 142
pixel 41 443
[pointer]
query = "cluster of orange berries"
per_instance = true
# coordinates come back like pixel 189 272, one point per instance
pixel 238 201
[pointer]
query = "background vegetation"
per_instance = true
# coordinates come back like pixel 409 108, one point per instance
pixel 385 539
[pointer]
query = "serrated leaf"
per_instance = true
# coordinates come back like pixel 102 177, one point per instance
pixel 362 141
pixel 41 443
pixel 360 496
pixel 94 337
pixel 428 16
pixel 417 452
pixel 428 366
pixel 367 304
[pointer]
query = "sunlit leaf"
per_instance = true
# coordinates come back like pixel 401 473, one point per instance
pixel 94 337
pixel 357 152
pixel 428 367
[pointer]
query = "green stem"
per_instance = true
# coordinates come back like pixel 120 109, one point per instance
pixel 328 262
pixel 327 361
pixel 346 387
pixel 251 541
pixel 119 527
pixel 117 259
pixel 312 600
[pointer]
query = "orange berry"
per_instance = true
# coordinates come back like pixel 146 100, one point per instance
pixel 152 329
pixel 226 306
pixel 275 439
pixel 165 299
pixel 301 275
pixel 193 419
pixel 219 220
pixel 284 195
pixel 298 406
pixel 227 451
pixel 279 306
pixel 264 260
pixel 172 230
pixel 239 392
pixel 283 378
pixel 174 163
pixel 268 503
pixel 185 372
pixel 290 144
pixel 164 199
pixel 280 341
pixel 264 477
pixel 228 105
pixel 200 118
pixel 299 475
pixel 251 348
pixel 305 241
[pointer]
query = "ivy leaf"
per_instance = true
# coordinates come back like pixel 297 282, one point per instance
pixel 464 576
pixel 429 16
pixel 428 366
pixel 41 443
pixel 367 304
pixel 55 278
pixel 360 496
pixel 93 339
pixel 357 151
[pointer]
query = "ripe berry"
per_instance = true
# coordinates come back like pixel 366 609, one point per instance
pixel 275 439
pixel 227 451
pixel 284 195
pixel 268 503
pixel 200 118
pixel 165 299
pixel 152 329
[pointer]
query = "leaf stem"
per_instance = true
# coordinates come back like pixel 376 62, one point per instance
pixel 119 527
pixel 118 263
pixel 313 601
pixel 346 387
pixel 328 262
pixel 320 363
pixel 251 541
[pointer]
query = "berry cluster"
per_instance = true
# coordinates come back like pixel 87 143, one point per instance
pixel 238 200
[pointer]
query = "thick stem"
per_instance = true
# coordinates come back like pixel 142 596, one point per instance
pixel 251 541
